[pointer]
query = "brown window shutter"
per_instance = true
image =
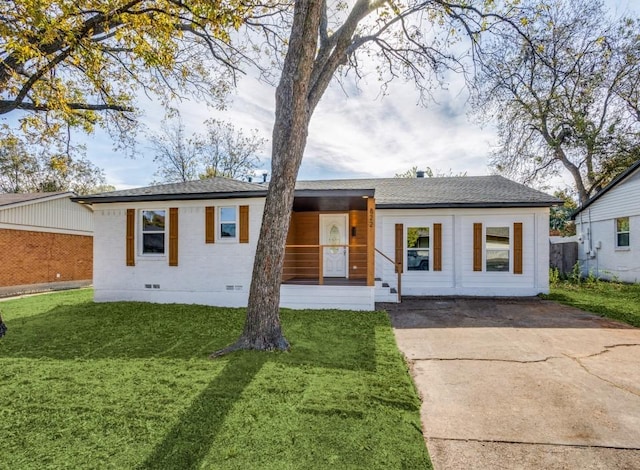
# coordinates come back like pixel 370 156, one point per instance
pixel 244 224
pixel 477 247
pixel 517 248
pixel 209 224
pixel 437 247
pixel 173 236
pixel 131 237
pixel 400 246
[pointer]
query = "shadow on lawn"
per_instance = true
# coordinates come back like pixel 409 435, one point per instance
pixel 186 445
pixel 333 339
pixel 129 330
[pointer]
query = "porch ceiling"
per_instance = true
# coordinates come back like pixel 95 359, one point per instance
pixel 331 200
pixel 304 204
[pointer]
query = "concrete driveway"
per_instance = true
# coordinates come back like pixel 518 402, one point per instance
pixel 519 384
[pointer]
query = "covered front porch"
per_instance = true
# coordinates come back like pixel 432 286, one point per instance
pixel 330 251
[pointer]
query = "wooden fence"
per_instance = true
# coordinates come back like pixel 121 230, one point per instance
pixel 563 256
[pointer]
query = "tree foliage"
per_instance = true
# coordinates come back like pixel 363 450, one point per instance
pixel 222 150
pixel 565 95
pixel 25 168
pixel 560 222
pixel 228 151
pixel 175 154
pixel 81 63
pixel 427 172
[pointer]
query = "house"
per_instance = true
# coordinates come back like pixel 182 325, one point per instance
pixel 195 242
pixel 46 241
pixel 608 228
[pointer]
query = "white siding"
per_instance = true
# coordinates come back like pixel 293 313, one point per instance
pixel 53 215
pixel 457 276
pixel 596 228
pixel 620 201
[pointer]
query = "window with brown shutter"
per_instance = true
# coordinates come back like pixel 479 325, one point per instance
pixel 437 247
pixel 173 236
pixel 477 247
pixel 209 224
pixel 400 247
pixel 244 224
pixel 517 248
pixel 131 237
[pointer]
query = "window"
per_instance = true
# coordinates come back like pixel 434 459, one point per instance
pixel 497 249
pixel 418 248
pixel 153 232
pixel 622 232
pixel 227 223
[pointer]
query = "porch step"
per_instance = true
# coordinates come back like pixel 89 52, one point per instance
pixel 389 298
pixel 385 293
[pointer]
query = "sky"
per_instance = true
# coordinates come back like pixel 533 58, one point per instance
pixel 354 134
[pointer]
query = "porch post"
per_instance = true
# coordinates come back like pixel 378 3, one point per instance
pixel 320 266
pixel 371 240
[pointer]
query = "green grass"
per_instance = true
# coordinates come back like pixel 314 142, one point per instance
pixel 128 385
pixel 607 299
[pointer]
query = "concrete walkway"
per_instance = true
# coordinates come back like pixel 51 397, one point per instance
pixel 522 384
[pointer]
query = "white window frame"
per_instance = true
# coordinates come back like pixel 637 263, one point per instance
pixel 430 249
pixel 485 258
pixel 141 232
pixel 219 223
pixel 617 233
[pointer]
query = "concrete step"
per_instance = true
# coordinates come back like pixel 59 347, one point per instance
pixel 389 298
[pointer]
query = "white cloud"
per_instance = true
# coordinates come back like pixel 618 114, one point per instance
pixel 356 136
pixel 362 135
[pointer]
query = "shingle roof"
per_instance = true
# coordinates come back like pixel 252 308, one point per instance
pixel 199 189
pixel 467 191
pixel 15 198
pixel 617 180
pixel 462 191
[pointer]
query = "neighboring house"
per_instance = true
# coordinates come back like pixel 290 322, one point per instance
pixel 46 241
pixel 195 242
pixel 608 228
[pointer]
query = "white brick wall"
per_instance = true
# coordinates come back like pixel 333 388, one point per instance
pixel 220 273
pixel 205 272
pixel 457 276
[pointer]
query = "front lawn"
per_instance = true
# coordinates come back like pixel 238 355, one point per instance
pixel 607 299
pixel 129 385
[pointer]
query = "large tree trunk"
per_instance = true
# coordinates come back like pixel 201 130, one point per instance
pixel 306 74
pixel 262 325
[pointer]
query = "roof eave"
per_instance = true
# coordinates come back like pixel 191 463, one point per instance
pixel 466 205
pixel 618 179
pixel 169 197
pixel 334 192
pixel 44 198
pixel 220 195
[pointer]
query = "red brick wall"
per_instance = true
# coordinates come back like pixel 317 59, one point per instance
pixel 37 257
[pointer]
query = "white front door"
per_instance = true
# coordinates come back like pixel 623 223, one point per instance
pixel 333 231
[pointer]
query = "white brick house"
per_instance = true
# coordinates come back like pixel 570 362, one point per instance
pixel 195 242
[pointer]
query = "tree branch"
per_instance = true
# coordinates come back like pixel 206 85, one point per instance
pixel 9 105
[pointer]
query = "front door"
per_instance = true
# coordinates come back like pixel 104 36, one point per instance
pixel 333 231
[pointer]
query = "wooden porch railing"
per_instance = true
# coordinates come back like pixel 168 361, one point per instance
pixel 398 270
pixel 307 261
